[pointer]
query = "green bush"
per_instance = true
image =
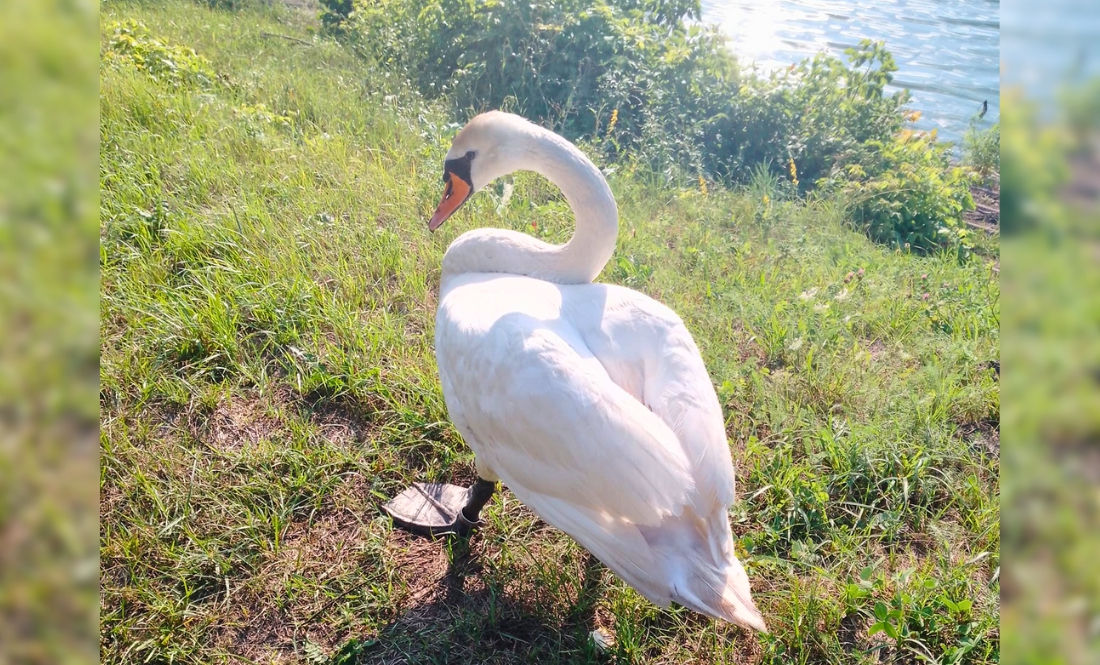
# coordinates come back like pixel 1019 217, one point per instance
pixel 568 63
pixel 674 89
pixel 1034 169
pixel 175 65
pixel 906 193
pixel 804 120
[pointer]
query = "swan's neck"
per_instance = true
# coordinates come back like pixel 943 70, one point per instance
pixel 578 261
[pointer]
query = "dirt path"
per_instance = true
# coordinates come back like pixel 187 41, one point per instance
pixel 986 214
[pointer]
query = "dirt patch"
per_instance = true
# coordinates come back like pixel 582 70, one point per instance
pixel 852 632
pixel 982 435
pixel 986 214
pixel 325 548
pixel 918 542
pixel 749 352
pixel 420 564
pixel 1083 190
pixel 1080 454
pixel 236 423
pixel 853 638
pixel 245 420
pixel 343 422
pixel 290 599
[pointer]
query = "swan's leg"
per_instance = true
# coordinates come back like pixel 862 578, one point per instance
pixel 437 509
pixel 480 494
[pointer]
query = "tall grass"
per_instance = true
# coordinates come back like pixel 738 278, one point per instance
pixel 982 151
pixel 268 380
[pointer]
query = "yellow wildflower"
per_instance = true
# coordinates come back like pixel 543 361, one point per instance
pixel 614 119
pixel 766 200
pixel 702 185
pixel 794 173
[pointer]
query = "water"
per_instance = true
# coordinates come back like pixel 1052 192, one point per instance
pixel 947 51
pixel 1050 45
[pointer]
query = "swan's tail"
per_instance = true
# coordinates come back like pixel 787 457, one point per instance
pixel 702 572
pixel 725 598
pixel 687 559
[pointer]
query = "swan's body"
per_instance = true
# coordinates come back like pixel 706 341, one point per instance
pixel 589 401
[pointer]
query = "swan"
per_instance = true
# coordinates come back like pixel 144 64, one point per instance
pixel 589 401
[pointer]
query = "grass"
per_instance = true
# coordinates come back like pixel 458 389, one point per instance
pixel 268 380
pixel 982 151
pixel 49 356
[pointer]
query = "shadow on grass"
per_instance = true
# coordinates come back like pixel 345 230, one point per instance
pixel 472 620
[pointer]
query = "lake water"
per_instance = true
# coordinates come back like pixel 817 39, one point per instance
pixel 1049 45
pixel 947 51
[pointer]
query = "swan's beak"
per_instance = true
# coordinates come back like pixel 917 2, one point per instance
pixel 455 194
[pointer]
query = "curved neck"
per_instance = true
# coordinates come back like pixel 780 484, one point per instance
pixel 578 261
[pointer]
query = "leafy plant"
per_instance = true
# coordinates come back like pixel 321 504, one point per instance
pixel 802 121
pixel 916 613
pixel 631 271
pixel 131 42
pixel 1035 167
pixel 334 12
pixel 257 117
pixel 906 193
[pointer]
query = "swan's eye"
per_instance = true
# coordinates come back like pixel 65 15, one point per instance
pixel 469 155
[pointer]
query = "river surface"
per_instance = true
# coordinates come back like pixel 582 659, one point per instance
pixel 1048 46
pixel 947 51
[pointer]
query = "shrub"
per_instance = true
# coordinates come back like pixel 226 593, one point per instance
pixel 906 193
pixel 812 115
pixel 567 63
pixel 177 66
pixel 335 12
pixel 1034 169
pixel 673 87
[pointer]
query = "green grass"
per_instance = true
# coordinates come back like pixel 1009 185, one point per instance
pixel 268 380
pixel 49 356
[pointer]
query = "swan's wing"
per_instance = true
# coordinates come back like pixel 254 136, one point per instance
pixel 647 350
pixel 543 414
pixel 683 396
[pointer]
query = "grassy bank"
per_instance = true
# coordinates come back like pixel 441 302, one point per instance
pixel 268 294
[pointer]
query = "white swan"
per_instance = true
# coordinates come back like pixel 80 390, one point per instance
pixel 589 401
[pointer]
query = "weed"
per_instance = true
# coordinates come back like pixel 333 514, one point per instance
pixel 982 150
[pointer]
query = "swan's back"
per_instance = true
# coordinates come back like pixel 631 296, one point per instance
pixel 593 406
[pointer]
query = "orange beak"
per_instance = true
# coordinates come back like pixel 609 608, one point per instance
pixel 454 195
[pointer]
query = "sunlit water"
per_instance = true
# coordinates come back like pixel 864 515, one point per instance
pixel 947 51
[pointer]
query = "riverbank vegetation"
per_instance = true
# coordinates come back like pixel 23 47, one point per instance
pixel 267 376
pixel 643 82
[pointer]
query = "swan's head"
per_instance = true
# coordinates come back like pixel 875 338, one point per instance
pixel 489 146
